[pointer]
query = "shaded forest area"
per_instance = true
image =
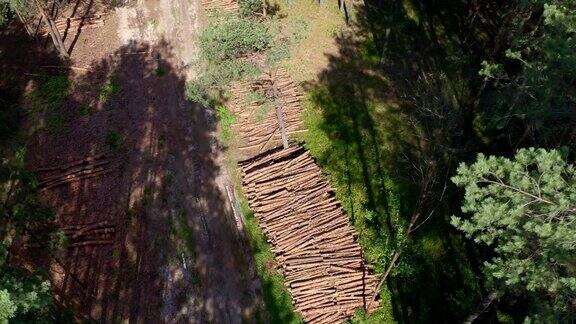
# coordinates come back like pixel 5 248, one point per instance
pixel 25 293
pixel 418 87
pixel 90 148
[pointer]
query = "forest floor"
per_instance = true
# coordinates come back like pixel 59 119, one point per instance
pixel 126 149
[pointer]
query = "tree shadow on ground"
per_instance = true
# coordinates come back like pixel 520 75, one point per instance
pixel 390 118
pixel 172 252
pixel 20 59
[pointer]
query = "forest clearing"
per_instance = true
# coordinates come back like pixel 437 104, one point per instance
pixel 265 161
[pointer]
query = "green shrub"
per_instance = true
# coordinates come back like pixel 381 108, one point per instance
pixel 278 53
pixel 43 104
pixel 250 7
pixel 232 37
pixel 50 93
pixel 226 118
pixel 55 123
pixel 221 74
pixel 108 89
pixel 114 140
pixel 196 92
pixel 5 14
pixel 85 109
pixel 263 110
pixel 160 70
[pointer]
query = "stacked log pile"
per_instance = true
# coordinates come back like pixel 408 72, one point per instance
pixel 261 133
pixel 226 5
pixel 313 242
pixel 74 23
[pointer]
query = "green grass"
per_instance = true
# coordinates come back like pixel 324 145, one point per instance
pixel 115 141
pixel 263 110
pixel 226 119
pixel 50 94
pixel 354 160
pixel 160 70
pixel 109 89
pixel 44 103
pixel 183 238
pixel 85 110
pixel 55 123
pixel 311 29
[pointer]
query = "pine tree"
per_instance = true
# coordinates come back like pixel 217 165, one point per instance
pixel 525 209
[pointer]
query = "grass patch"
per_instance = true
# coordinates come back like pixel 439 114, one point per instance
pixel 115 141
pixel 55 123
pixel 147 195
pixel 259 99
pixel 195 279
pixel 45 102
pixel 183 238
pixel 50 94
pixel 312 29
pixel 338 137
pixel 85 110
pixel 226 119
pixel 109 89
pixel 253 97
pixel 160 70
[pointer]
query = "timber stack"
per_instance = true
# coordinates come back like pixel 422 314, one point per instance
pixel 258 125
pixel 310 235
pixel 226 5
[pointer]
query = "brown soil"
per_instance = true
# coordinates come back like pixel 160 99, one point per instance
pixel 126 165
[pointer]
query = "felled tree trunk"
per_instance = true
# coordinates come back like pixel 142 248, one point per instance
pixel 24 22
pixel 53 31
pixel 279 112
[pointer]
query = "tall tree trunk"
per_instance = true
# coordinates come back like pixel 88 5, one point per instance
pixel 58 37
pixel 486 302
pixel 24 22
pixel 53 31
pixel 384 276
pixel 350 6
pixel 385 46
pixel 391 11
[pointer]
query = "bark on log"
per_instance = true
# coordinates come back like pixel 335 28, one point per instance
pixel 54 33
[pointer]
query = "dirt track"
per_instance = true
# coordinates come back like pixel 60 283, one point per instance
pixel 173 252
